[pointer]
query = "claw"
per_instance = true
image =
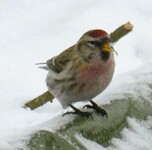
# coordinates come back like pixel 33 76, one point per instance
pixel 87 106
pixel 78 112
pixel 98 109
pixel 67 113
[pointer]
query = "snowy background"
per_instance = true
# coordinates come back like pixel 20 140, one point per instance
pixel 33 31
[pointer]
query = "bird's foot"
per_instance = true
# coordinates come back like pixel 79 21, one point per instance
pixel 98 109
pixel 78 112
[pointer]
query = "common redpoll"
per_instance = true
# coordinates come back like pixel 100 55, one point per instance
pixel 82 71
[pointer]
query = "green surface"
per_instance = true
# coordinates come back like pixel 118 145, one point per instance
pixel 99 129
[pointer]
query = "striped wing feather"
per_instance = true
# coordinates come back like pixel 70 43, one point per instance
pixel 58 63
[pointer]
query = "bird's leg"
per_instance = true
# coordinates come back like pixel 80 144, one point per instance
pixel 78 112
pixel 98 109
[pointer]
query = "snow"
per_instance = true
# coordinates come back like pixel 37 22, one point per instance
pixel 137 137
pixel 33 31
pixel 88 144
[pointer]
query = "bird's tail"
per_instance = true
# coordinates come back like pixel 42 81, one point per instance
pixel 44 65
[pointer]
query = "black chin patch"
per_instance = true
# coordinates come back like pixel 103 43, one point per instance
pixel 105 56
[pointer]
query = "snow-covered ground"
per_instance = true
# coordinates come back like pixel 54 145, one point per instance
pixel 33 31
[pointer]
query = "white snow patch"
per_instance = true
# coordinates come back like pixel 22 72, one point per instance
pixel 137 136
pixel 88 144
pixel 33 31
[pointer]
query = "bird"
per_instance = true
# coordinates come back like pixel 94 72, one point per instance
pixel 82 71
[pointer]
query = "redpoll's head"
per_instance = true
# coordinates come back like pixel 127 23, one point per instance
pixel 95 42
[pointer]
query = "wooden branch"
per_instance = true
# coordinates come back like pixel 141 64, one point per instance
pixel 46 97
pixel 121 31
pixel 39 101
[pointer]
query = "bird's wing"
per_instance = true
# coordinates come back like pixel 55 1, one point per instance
pixel 58 63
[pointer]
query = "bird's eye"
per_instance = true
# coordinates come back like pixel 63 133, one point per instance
pixel 95 43
pixel 92 42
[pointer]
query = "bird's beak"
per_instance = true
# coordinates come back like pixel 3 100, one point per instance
pixel 107 47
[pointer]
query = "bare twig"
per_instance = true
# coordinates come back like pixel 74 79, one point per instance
pixel 39 101
pixel 121 31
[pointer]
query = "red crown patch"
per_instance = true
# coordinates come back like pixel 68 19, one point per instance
pixel 98 33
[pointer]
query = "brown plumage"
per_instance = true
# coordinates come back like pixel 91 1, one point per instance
pixel 82 71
